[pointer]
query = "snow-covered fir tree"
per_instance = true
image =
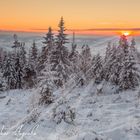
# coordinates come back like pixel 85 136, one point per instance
pixel 49 40
pixel 1 57
pixel 19 62
pixel 34 53
pixel 85 59
pixel 46 50
pixel 47 76
pixel 31 68
pixel 96 69
pixel 33 57
pixel 61 37
pixel 130 73
pixel 3 85
pixel 75 59
pixel 9 73
pixel 10 70
pixel 116 65
pixel 59 58
pixel 4 59
pixel 42 58
pixel 22 54
pixel 46 84
pixel 16 44
pixel 108 63
pixel 74 56
pixel 18 73
pixel 108 51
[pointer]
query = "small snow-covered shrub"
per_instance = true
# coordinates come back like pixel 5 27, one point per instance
pixel 64 113
pixel 3 85
pixel 33 116
pixel 106 88
pixel 46 96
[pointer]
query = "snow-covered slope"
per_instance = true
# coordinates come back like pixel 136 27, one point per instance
pixel 104 116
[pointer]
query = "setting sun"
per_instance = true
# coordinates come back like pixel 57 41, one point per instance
pixel 126 33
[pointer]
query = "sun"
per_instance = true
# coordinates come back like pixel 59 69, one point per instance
pixel 126 33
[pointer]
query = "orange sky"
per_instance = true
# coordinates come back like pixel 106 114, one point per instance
pixel 79 14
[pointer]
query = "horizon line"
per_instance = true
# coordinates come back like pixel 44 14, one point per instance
pixel 89 29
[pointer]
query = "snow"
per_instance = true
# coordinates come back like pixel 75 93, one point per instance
pixel 99 116
pixel 107 116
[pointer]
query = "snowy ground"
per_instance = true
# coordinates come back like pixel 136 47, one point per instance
pixel 108 116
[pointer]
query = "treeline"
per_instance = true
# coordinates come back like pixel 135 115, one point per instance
pixel 55 65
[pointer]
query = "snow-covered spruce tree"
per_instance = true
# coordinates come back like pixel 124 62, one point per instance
pixel 46 77
pixel 3 84
pixel 19 73
pixel 73 54
pixel 46 50
pixel 9 73
pixel 23 62
pixel 46 83
pixel 29 77
pixel 42 58
pixel 130 74
pixel 34 51
pixel 16 45
pixel 85 62
pixel 4 59
pixel 13 66
pixel 18 62
pixel 74 57
pixel 1 58
pixel 108 63
pixel 108 51
pixel 33 56
pixel 22 53
pixel 117 64
pixel 59 58
pixel 49 41
pixel 133 50
pixel 77 76
pixel 9 69
pixel 96 69
pixel 2 80
pixel 30 72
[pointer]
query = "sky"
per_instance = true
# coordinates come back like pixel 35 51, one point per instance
pixel 37 15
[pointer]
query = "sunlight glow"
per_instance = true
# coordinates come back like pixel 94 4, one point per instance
pixel 126 33
pixel 38 15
